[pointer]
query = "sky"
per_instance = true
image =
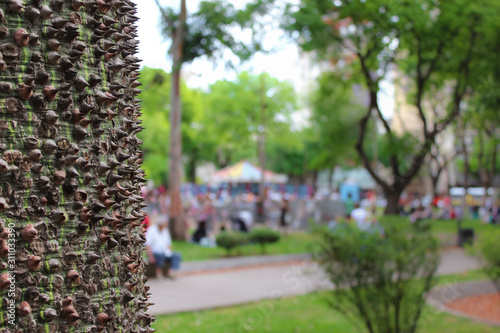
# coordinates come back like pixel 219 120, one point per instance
pixel 284 64
pixel 153 51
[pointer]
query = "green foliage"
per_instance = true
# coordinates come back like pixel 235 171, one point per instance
pixel 233 108
pixel 230 240
pixel 425 46
pixel 488 249
pixel 264 236
pixel 401 147
pixel 198 144
pixel 376 276
pixel 483 119
pixel 209 31
pixel 336 111
pixel 219 126
pixel 293 243
pixel 286 150
pixel 155 104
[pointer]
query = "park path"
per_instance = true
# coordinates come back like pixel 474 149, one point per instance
pixel 231 286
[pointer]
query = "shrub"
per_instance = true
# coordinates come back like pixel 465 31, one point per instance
pixel 488 249
pixel 230 240
pixel 382 274
pixel 263 236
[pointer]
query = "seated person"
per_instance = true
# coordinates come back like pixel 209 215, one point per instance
pixel 159 247
pixel 200 233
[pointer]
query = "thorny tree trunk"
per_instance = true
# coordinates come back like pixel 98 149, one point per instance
pixel 70 208
pixel 177 223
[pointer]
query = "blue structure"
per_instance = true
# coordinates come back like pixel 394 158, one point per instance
pixel 352 189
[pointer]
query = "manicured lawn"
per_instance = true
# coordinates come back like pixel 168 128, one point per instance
pixel 299 242
pixel 450 226
pixel 446 230
pixel 302 242
pixel 308 314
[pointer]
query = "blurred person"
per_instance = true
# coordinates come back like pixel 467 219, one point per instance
pixel 242 221
pixel 200 210
pixel 418 214
pixel 284 211
pixel 360 216
pixel 260 209
pixel 349 204
pixel 159 248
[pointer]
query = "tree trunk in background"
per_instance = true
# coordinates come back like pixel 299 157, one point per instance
pixel 262 139
pixel 70 204
pixel 435 178
pixel 177 221
pixel 466 171
pixel 315 180
pixel 191 168
pixel 392 198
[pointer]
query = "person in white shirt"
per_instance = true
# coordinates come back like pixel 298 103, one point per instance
pixel 360 215
pixel 159 247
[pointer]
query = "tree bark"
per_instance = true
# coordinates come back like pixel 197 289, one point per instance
pixel 465 151
pixel 392 196
pixel 70 205
pixel 262 138
pixel 177 222
pixel 191 170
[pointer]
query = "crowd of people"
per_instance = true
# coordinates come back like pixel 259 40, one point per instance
pixel 445 207
pixel 206 214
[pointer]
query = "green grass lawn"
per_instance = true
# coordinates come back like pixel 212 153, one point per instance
pixel 307 314
pixel 450 226
pixel 299 242
pixel 302 242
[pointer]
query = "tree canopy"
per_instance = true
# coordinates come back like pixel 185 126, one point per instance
pixel 219 125
pixel 429 46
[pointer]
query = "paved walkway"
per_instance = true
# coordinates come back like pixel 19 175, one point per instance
pixel 226 287
pixel 442 295
pixel 238 262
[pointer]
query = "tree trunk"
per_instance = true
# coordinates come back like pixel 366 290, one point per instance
pixel 191 170
pixel 70 205
pixel 434 186
pixel 435 180
pixel 392 197
pixel 331 181
pixel 315 180
pixel 262 139
pixel 466 172
pixel 177 222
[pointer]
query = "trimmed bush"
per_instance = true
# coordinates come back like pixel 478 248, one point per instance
pixel 263 236
pixel 381 274
pixel 488 249
pixel 230 240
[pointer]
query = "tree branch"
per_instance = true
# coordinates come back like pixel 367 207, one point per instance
pixel 359 147
pixel 459 91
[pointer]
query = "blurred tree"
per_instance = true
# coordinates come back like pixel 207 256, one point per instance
pixel 233 108
pixel 285 152
pixel 207 32
pixel 156 110
pixel 430 45
pixel 482 125
pixel 382 274
pixel 336 112
pixel 438 161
